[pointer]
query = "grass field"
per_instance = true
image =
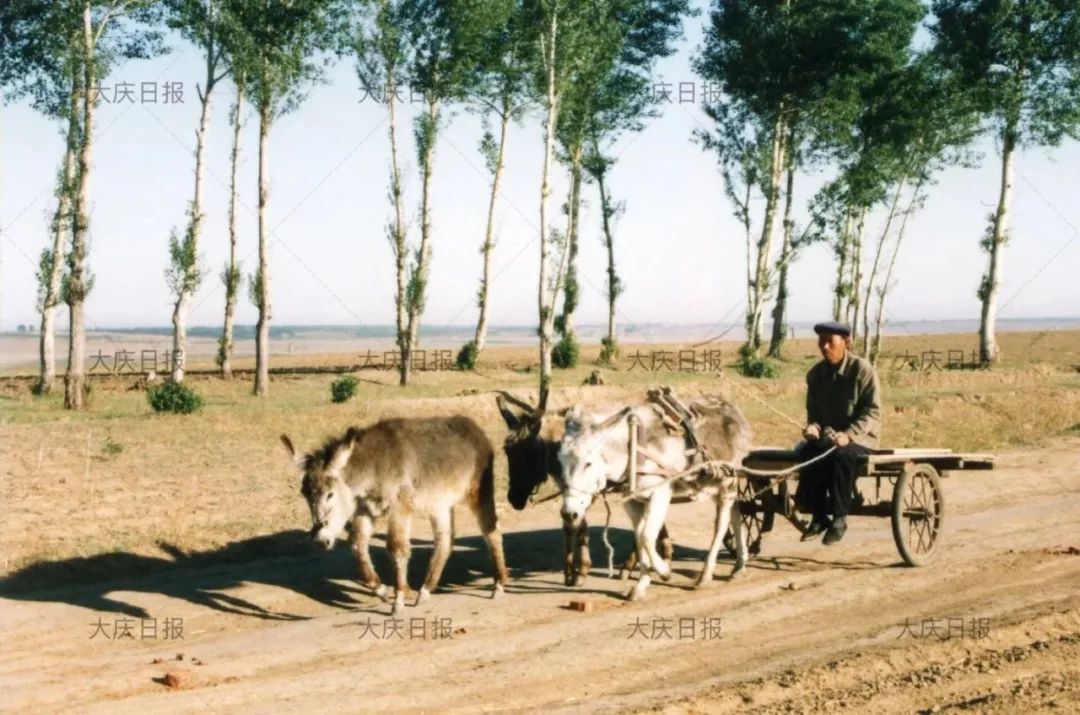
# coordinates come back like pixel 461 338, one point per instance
pixel 118 477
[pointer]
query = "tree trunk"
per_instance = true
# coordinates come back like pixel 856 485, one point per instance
pixel 570 284
pixel 61 226
pixel 760 285
pixel 614 288
pixel 779 326
pixel 874 266
pixel 840 289
pixel 418 280
pixel 489 234
pixel 852 312
pixel 262 333
pixel 188 283
pixel 397 228
pixel 988 292
pixel 78 281
pixel 232 270
pixel 875 345
pixel 545 300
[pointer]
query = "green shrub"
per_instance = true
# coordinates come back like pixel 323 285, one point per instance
pixel 609 353
pixel 343 388
pixel 565 353
pixel 753 365
pixel 466 357
pixel 758 367
pixel 111 448
pixel 175 397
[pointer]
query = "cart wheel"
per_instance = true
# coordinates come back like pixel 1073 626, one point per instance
pixel 918 514
pixel 753 517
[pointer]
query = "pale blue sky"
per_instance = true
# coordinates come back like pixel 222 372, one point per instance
pixel 680 253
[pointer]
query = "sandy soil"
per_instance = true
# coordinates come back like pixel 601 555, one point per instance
pixel 809 629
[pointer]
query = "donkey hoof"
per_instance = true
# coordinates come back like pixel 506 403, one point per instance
pixel 635 594
pixel 663 570
pixel 422 596
pixel 497 591
pixel 398 607
pixel 580 579
pixel 738 572
pixel 382 591
pixel 703 581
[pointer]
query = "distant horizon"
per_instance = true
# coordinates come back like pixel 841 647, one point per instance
pixel 457 327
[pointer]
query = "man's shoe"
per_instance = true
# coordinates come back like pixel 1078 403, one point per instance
pixel 835 533
pixel 816 528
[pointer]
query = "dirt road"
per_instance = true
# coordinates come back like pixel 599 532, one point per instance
pixel 992 626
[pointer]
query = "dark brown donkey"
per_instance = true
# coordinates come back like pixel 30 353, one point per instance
pixel 531 459
pixel 398 468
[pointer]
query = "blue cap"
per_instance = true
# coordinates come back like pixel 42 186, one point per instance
pixel 832 327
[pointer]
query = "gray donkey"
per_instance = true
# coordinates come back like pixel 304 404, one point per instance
pixel 398 468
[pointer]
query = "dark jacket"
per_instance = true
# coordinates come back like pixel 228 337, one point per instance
pixel 845 398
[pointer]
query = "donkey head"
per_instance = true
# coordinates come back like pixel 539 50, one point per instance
pixel 588 460
pixel 530 459
pixel 328 496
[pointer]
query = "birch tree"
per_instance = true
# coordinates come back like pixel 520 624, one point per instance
pixel 381 55
pixel 795 69
pixel 110 30
pixel 498 88
pixel 445 39
pixel 278 46
pixel 198 21
pixel 231 275
pixel 621 102
pixel 1020 62
pixel 40 61
pixel 561 28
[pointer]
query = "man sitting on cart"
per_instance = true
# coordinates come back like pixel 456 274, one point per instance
pixel 842 411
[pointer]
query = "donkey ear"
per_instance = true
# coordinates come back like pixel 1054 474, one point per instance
pixel 296 457
pixel 289 446
pixel 340 458
pixel 513 420
pixel 614 419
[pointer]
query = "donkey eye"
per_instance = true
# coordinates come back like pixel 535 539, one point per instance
pixel 329 496
pixel 588 465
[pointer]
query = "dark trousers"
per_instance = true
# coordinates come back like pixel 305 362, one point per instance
pixel 826 486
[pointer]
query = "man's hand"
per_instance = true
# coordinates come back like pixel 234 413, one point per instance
pixel 811 433
pixel 841 439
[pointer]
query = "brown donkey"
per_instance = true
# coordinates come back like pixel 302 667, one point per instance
pixel 398 468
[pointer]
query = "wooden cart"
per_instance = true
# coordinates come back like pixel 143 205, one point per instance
pixel 913 497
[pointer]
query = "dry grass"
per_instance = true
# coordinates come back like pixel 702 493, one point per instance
pixel 204 481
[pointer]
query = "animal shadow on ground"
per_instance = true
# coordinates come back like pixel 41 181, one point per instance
pixel 289 560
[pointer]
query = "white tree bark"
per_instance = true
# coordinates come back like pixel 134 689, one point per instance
pixel 191 273
pixel 546 300
pixel 78 283
pixel 988 346
pixel 878 250
pixel 398 237
pixel 232 270
pixel 423 263
pixel 779 326
pixel 761 279
pixel 61 228
pixel 489 233
pixel 262 334
pixel 875 345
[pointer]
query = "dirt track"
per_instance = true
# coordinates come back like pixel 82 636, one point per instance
pixel 810 628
